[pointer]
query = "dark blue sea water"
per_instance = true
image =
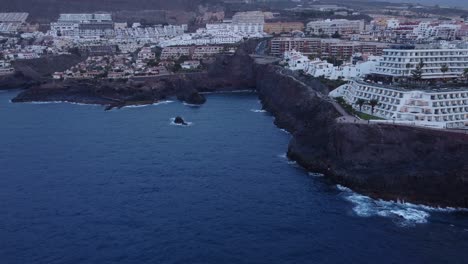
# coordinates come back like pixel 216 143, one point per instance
pixel 81 185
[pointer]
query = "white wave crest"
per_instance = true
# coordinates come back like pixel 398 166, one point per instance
pixel 191 105
pixel 258 111
pixel 404 214
pixel 145 105
pixel 57 102
pixel 316 174
pixel 226 92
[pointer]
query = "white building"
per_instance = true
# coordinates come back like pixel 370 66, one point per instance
pixel 12 22
pixel 438 108
pixel 318 68
pixel 340 26
pixel 83 24
pixel 401 62
pixel 5 68
pixel 190 65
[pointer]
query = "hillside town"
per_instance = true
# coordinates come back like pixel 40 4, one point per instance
pixel 399 65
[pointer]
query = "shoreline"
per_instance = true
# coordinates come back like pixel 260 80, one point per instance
pixel 380 161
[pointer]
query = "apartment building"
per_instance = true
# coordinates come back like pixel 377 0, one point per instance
pixel 438 108
pixel 340 26
pixel 325 48
pixel 174 53
pixel 283 27
pixel 83 24
pixel 12 22
pixel 401 62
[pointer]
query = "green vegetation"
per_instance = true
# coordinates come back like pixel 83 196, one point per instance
pixel 365 116
pixel 331 84
pixel 417 73
pixel 350 110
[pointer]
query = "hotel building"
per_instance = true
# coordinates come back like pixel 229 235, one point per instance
pixel 83 25
pixel 340 26
pixel 437 108
pixel 401 62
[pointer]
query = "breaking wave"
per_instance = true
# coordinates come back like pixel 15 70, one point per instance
pixel 191 105
pixel 145 105
pixel 56 102
pixel 405 214
pixel 365 206
pixel 258 111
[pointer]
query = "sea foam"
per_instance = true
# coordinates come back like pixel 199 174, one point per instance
pixel 404 214
pixel 258 111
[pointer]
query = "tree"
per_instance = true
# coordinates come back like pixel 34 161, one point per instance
pixel 417 73
pixel 336 35
pixel 408 66
pixel 465 73
pixel 360 102
pixel 444 68
pixel 373 103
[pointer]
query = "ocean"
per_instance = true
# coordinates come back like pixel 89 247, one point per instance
pixel 82 185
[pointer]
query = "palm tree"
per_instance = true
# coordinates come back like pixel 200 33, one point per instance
pixel 373 103
pixel 360 102
pixel 417 73
pixel 444 68
pixel 465 73
pixel 408 66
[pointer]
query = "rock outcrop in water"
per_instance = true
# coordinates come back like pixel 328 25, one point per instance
pixel 383 161
pixel 180 121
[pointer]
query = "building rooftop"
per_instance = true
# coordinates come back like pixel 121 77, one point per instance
pixel 13 17
pixel 436 88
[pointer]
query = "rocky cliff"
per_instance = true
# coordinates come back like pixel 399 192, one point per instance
pixel 382 161
pixel 29 73
pixel 228 72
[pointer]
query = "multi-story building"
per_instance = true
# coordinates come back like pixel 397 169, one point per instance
pixel 246 23
pixel 438 108
pixel 12 22
pixel 146 54
pixel 83 25
pixel 283 27
pixel 174 52
pixel 206 51
pixel 401 62
pixel 5 68
pixel 325 48
pixel 340 26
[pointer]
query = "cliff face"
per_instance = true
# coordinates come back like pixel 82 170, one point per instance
pixel 228 72
pixel 29 73
pixel 383 161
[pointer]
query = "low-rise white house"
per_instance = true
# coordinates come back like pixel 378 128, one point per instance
pixel 438 108
pixel 319 68
pixel 190 65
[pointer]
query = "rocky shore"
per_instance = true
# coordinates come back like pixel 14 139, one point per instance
pixel 382 161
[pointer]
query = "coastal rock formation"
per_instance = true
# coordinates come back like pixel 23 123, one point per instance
pixel 180 121
pixel 34 72
pixel 382 161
